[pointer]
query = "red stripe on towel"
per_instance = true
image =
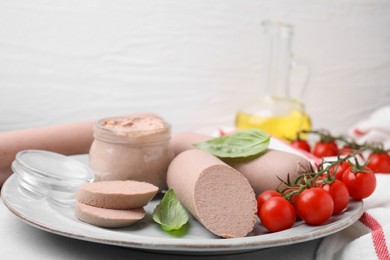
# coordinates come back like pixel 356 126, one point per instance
pixel 378 237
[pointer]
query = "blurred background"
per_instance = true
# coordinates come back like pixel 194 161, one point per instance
pixel 194 62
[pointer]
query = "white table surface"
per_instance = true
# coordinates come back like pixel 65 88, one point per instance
pixel 19 240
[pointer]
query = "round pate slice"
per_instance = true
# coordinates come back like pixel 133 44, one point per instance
pixel 116 194
pixel 109 218
pixel 217 195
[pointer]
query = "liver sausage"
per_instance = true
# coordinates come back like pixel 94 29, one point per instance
pixel 116 194
pixel 217 195
pixel 183 141
pixel 262 172
pixel 110 218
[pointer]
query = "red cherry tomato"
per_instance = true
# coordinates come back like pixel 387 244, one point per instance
pixel 340 195
pixel 264 196
pixel 360 184
pixel 292 194
pixel 277 214
pixel 346 150
pixel 301 144
pixel 339 169
pixel 314 206
pixel 379 162
pixel 324 149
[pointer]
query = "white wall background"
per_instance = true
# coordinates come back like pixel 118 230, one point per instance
pixel 194 62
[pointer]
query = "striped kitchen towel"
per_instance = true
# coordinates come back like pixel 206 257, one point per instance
pixel 369 237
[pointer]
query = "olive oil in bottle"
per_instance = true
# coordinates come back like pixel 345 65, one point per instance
pixel 275 111
pixel 284 126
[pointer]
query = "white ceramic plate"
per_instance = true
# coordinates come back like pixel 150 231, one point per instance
pixel 147 235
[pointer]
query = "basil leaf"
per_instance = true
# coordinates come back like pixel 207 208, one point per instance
pixel 244 143
pixel 169 213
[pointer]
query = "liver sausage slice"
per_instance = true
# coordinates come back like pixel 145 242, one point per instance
pixel 217 195
pixel 116 194
pixel 110 218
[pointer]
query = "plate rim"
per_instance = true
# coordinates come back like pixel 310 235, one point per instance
pixel 183 245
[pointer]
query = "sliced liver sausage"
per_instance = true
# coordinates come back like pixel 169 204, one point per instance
pixel 217 195
pixel 262 172
pixel 110 218
pixel 116 194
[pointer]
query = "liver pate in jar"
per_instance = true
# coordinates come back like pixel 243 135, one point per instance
pixel 135 147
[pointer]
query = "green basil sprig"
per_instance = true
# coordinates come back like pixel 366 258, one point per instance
pixel 169 213
pixel 240 144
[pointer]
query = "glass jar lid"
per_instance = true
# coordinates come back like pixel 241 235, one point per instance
pixel 50 174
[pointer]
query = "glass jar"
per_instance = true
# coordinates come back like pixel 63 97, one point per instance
pixel 50 175
pixel 131 148
pixel 275 111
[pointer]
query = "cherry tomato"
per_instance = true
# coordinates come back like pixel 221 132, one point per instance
pixel 339 193
pixel 289 192
pixel 314 206
pixel 277 214
pixel 301 144
pixel 379 162
pixel 339 169
pixel 292 198
pixel 324 149
pixel 264 196
pixel 360 184
pixel 346 150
